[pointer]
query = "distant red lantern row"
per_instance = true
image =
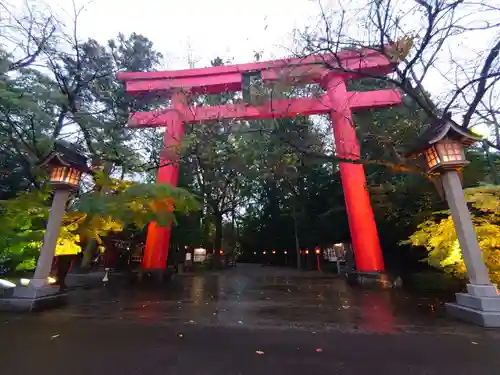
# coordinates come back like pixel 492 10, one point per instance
pixel 317 251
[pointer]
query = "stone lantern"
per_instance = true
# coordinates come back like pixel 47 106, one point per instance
pixel 65 165
pixel 441 148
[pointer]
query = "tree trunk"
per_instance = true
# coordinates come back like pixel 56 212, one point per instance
pixel 296 235
pixel 237 239
pixel 88 254
pixel 491 164
pixel 63 265
pixel 497 133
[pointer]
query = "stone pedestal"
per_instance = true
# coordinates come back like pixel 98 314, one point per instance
pixel 33 299
pixel 370 279
pixel 480 305
pixel 156 276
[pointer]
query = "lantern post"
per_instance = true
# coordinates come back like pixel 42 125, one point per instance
pixel 443 149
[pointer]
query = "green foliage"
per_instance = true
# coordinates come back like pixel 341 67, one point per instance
pixel 438 235
pixel 94 215
pixel 28 264
pixel 21 227
pixel 22 230
pixel 136 205
pixel 76 96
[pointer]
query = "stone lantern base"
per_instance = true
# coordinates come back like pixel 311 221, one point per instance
pixel 155 276
pixel 377 280
pixel 32 299
pixel 480 305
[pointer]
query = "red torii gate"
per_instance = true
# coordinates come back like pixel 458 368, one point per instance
pixel 338 103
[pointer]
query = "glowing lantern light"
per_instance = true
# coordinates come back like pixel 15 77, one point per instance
pixel 66 165
pixel 442 145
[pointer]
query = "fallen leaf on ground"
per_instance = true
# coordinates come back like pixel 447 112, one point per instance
pixel 180 335
pixel 55 336
pixel 319 350
pixel 259 352
pixel 474 343
pixel 240 322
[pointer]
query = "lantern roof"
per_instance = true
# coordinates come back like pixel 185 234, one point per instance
pixel 441 128
pixel 67 154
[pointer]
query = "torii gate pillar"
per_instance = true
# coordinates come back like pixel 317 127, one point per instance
pixel 158 237
pixel 338 103
pixel 364 234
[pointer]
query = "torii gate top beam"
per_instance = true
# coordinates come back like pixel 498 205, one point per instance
pixel 219 79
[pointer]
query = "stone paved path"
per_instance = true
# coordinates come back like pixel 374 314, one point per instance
pixel 250 320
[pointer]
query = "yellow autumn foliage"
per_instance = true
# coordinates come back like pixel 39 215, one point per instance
pixel 438 236
pixel 400 49
pixel 93 215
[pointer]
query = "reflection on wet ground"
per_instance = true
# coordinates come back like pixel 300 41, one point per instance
pixel 264 297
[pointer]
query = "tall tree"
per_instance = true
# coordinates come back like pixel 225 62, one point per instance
pixel 419 37
pixel 65 88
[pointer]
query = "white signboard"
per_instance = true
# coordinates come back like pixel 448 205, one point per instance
pixel 335 253
pixel 200 255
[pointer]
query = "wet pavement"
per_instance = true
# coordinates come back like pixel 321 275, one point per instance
pixel 246 320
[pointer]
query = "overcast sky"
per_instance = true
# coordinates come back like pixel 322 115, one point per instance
pixel 199 30
pixel 231 29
